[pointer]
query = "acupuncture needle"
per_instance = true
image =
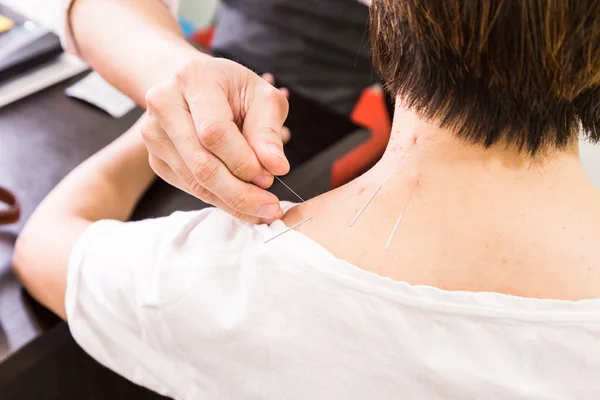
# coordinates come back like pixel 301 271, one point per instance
pixel 289 188
pixel 389 241
pixel 286 230
pixel 290 228
pixel 363 208
pixel 368 202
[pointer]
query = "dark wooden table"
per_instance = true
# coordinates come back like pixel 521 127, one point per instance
pixel 42 138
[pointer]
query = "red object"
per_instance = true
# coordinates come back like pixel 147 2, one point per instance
pixel 12 213
pixel 204 37
pixel 370 112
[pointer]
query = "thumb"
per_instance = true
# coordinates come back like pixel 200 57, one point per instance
pixel 263 126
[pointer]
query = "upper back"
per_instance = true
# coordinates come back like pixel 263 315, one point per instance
pixel 470 234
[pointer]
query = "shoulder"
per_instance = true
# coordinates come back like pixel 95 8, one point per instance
pixel 157 258
pixel 161 259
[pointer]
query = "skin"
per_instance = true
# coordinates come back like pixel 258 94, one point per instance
pixel 478 220
pixel 106 186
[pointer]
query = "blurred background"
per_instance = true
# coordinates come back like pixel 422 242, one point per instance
pixel 196 17
pixel 198 14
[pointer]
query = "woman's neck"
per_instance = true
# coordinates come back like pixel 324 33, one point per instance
pixel 428 156
pixel 472 218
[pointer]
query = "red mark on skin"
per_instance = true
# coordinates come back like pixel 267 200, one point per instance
pixel 504 260
pixel 417 183
pixel 361 190
pixel 397 148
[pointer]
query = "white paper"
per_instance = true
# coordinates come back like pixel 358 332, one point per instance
pixel 64 67
pixel 96 91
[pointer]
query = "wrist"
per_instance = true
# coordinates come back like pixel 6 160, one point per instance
pixel 178 53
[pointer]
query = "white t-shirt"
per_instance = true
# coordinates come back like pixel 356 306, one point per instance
pixel 196 306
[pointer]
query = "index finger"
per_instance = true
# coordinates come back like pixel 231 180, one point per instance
pixel 263 127
pixel 218 133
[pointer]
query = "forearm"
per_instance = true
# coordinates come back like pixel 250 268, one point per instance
pixel 106 186
pixel 133 44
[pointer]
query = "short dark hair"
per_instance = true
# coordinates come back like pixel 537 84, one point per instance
pixel 526 72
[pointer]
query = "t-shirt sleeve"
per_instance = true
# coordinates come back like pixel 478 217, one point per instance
pixel 136 291
pixel 66 34
pixel 114 285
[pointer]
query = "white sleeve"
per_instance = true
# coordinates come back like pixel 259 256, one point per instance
pixel 66 34
pixel 113 285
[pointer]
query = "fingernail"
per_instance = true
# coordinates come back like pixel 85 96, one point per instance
pixel 269 211
pixel 274 149
pixel 263 181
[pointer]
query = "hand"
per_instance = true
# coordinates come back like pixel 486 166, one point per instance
pixel 214 130
pixel 286 134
